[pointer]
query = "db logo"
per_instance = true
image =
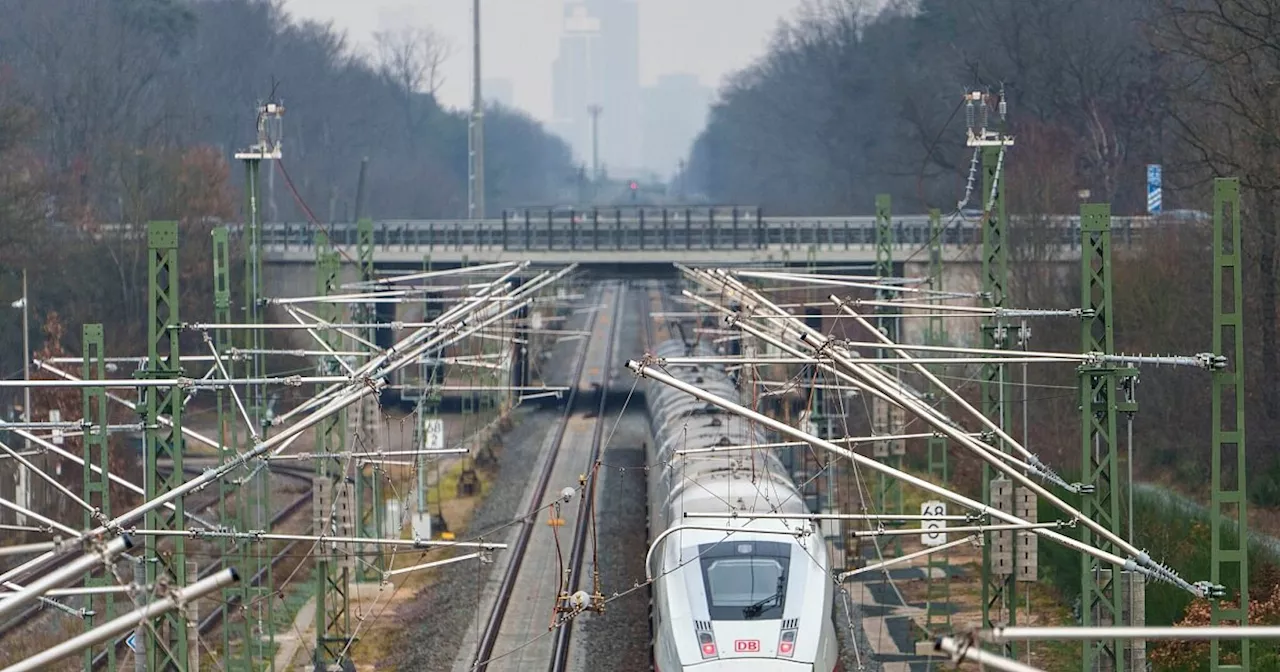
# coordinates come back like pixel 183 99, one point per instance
pixel 746 645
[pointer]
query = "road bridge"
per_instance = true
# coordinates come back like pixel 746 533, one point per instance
pixel 644 242
pixel 629 239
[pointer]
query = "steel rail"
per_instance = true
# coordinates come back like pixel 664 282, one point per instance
pixel 560 650
pixel 21 618
pixel 213 618
pixel 489 637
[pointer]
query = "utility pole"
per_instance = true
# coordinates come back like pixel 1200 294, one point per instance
pixel 26 484
pixel 370 507
pixel 230 515
pixel 1229 562
pixel 331 503
pixel 360 189
pixel 255 493
pixel 595 111
pixel 938 592
pixel 97 487
pixel 683 184
pixel 1101 389
pixel 889 418
pixel 476 136
pixel 167 641
pixel 140 590
pixel 999 568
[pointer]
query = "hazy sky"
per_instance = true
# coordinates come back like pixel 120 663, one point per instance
pixel 708 38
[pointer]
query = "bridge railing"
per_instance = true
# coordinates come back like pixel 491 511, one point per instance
pixel 672 229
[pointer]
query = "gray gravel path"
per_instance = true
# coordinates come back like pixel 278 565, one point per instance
pixel 619 638
pixel 445 614
pixel 445 611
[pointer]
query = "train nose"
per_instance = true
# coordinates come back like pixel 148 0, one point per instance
pixel 751 665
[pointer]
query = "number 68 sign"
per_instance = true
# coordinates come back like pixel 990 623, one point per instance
pixel 934 523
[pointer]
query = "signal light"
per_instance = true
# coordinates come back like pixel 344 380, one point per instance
pixel 708 645
pixel 634 185
pixel 787 643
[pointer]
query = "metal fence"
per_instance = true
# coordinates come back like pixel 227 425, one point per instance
pixel 674 229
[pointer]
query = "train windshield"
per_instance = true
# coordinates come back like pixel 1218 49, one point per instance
pixel 745 580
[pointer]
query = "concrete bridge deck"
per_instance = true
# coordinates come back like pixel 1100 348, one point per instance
pixel 641 237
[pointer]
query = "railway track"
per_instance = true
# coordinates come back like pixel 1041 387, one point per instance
pixel 537 569
pixel 203 505
pixel 200 506
pixel 214 618
pixel 655 331
pixel 560 654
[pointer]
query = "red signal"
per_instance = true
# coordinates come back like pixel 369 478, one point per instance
pixel 634 186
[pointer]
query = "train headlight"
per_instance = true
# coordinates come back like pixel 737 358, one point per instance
pixel 787 643
pixel 707 644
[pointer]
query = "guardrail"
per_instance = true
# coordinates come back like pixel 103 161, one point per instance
pixel 667 229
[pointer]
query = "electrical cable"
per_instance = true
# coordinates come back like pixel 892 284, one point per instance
pixel 311 215
pixel 930 151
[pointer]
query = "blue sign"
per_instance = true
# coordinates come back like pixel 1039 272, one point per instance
pixel 132 641
pixel 1153 189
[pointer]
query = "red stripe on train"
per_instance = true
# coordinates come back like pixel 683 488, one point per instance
pixel 838 668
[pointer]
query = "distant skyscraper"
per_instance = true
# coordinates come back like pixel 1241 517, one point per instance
pixel 675 111
pixel 620 133
pixel 599 64
pixel 575 79
pixel 499 90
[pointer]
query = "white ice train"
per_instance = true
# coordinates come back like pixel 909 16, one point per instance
pixel 740 602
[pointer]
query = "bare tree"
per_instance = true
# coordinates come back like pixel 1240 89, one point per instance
pixel 1224 58
pixel 409 60
pixel 21 183
pixel 1105 152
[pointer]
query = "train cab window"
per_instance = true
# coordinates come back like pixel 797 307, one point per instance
pixel 745 580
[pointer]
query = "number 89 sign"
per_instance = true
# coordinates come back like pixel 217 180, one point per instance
pixel 934 523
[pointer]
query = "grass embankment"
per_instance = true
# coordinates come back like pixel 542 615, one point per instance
pixel 1174 532
pixel 1177 534
pixel 382 636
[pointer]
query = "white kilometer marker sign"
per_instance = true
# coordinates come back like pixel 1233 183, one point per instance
pixel 432 439
pixel 55 415
pixel 934 510
pixel 433 434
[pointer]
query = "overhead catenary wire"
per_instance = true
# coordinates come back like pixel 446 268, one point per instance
pixel 1182 633
pixel 813 360
pixel 333 539
pixel 344 388
pixel 644 370
pixel 122 624
pixel 790 326
pixel 883 390
pixel 891 390
pixel 390 361
pixel 791 444
pixel 963 651
pixel 724 281
pixel 98 555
